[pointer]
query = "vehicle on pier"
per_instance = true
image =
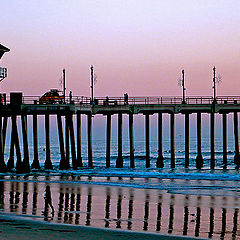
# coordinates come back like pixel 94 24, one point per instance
pixel 51 97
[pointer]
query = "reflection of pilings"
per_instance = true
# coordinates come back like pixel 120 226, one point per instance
pixel 160 163
pixel 211 223
pixel 25 198
pixel 48 163
pixel 224 119
pixel 130 209
pixel 212 141
pixel 198 222
pixel 147 140
pixel 146 213
pixel 235 223
pixel 66 206
pixel 199 159
pixel 108 145
pixel 60 204
pixel 119 163
pixel 224 218
pixel 79 141
pixel 35 163
pixel 236 157
pixel 107 207
pixel 119 208
pixel 35 196
pixel 78 202
pixel 186 140
pixel 73 146
pixel 171 214
pixel 172 130
pixel 11 197
pixel 89 207
pixel 26 164
pixel 159 213
pixel 63 163
pixel 131 139
pixel 185 225
pixel 90 160
pixel 2 195
pixel 72 206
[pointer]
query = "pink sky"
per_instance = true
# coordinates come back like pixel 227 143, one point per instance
pixel 137 47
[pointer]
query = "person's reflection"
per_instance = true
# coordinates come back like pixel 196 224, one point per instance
pixel 146 212
pixel 107 207
pixel 235 223
pixel 25 198
pixel 130 209
pixel 89 207
pixel 48 202
pixel 1 195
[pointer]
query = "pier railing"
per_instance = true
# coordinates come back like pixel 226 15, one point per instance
pixel 82 100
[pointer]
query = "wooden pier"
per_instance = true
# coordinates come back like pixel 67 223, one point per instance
pixel 29 106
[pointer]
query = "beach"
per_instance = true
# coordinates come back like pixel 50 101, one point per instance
pixel 86 207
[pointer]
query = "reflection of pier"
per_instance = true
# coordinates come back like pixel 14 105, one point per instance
pixel 23 107
pixel 76 205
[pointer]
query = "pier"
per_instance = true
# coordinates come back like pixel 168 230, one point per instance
pixel 18 106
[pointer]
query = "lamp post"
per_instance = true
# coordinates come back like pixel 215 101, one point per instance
pixel 92 76
pixel 64 86
pixel 214 84
pixel 183 86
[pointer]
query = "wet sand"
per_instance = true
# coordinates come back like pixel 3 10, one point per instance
pixel 98 206
pixel 15 227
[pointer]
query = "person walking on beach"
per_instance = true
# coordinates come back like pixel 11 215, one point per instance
pixel 48 200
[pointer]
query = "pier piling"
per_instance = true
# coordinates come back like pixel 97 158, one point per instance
pixel 172 130
pixel 35 163
pixel 2 163
pixel 186 140
pixel 67 143
pixel 72 139
pixel 236 157
pixel 25 163
pixel 48 163
pixel 119 163
pixel 212 140
pixel 108 145
pixel 131 138
pixel 79 141
pixel 160 159
pixel 63 165
pixel 224 121
pixel 90 159
pixel 147 140
pixel 4 131
pixel 199 159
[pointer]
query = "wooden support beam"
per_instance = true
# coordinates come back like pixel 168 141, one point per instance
pixel 147 140
pixel 131 138
pixel 119 163
pixel 108 145
pixel 67 142
pixel 236 137
pixel 72 139
pixel 62 164
pixel 224 121
pixel 212 141
pixel 172 130
pixel 79 141
pixel 35 164
pixel 186 140
pixel 2 163
pixel 90 159
pixel 25 163
pixel 160 159
pixel 48 163
pixel 10 163
pixel 199 159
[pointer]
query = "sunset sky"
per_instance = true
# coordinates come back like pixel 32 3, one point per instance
pixel 138 47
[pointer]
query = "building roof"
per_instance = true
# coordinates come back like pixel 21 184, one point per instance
pixel 3 50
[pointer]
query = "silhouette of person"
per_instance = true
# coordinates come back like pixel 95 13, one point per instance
pixel 70 96
pixel 48 200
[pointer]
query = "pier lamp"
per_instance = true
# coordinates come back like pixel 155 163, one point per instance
pixel 214 84
pixel 181 83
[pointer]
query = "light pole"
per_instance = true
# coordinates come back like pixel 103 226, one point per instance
pixel 214 84
pixel 92 76
pixel 64 86
pixel 183 86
